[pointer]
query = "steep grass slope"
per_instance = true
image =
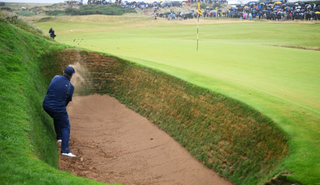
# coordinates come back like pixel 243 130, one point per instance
pixel 28 150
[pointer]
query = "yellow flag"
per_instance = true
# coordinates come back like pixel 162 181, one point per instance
pixel 199 9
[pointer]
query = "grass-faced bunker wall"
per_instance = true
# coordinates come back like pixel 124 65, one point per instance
pixel 225 134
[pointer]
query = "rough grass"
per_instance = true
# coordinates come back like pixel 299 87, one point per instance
pixel 28 150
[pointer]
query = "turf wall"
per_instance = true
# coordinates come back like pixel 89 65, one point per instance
pixel 226 135
pixel 28 150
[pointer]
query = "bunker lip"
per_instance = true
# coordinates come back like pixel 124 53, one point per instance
pixel 114 144
pixel 295 47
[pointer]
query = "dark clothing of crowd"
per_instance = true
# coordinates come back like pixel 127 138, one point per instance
pixel 271 11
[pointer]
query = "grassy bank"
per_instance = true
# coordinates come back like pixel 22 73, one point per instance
pixel 28 150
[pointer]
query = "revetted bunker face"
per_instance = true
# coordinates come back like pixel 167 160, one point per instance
pixel 225 134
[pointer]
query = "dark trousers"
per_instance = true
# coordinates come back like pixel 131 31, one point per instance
pixel 62 128
pixel 57 128
pixel 65 127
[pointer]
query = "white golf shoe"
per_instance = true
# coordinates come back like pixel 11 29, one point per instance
pixel 68 154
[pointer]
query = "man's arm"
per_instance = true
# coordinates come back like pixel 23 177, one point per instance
pixel 70 94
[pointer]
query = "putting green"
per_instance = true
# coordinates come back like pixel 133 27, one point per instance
pixel 233 58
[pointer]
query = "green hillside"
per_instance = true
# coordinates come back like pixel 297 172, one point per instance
pixel 28 149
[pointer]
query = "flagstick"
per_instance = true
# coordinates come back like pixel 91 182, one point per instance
pixel 199 13
pixel 197 31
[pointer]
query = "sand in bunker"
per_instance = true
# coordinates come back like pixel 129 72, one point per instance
pixel 114 144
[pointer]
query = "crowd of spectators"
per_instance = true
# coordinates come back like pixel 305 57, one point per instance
pixel 251 10
pixel 159 4
pixel 269 10
pixel 163 4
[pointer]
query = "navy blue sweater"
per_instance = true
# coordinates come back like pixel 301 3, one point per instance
pixel 59 94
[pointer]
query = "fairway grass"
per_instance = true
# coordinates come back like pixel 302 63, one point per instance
pixel 233 59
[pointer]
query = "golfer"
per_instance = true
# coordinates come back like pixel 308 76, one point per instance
pixel 51 32
pixel 58 96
